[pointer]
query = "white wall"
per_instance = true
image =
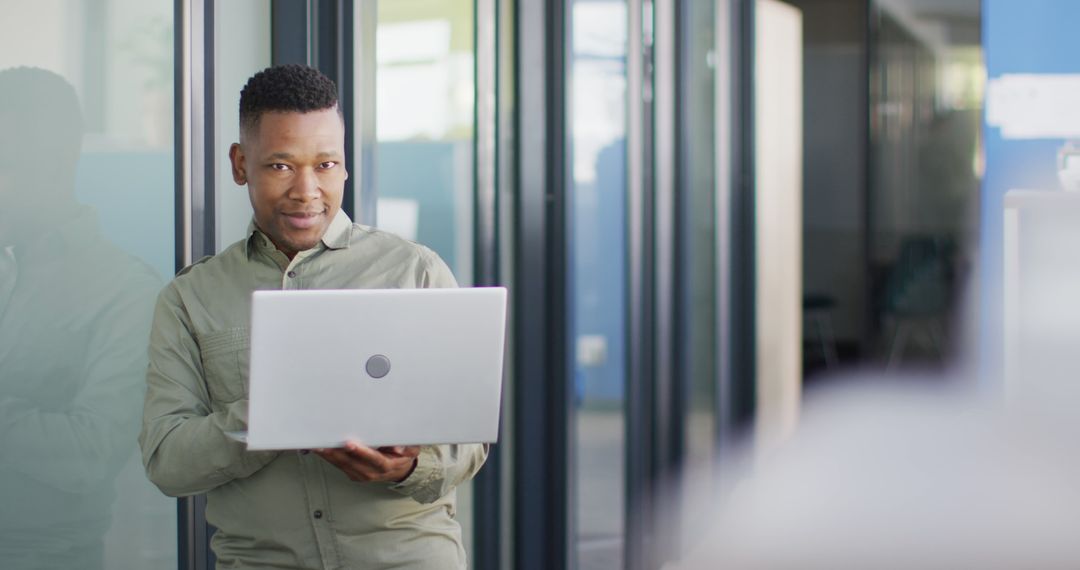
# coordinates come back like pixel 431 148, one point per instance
pixel 779 151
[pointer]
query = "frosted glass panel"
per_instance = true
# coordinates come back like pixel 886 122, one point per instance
pixel 86 242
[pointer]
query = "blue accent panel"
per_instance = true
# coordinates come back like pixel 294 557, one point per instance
pixel 599 275
pixel 1033 36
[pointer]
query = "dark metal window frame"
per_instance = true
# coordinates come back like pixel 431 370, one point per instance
pixel 736 267
pixel 487 254
pixel 195 205
pixel 319 33
pixel 542 431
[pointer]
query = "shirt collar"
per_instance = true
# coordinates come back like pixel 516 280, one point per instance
pixel 338 234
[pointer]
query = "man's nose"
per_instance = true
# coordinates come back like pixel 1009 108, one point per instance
pixel 306 187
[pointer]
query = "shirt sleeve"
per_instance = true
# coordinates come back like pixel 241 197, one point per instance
pixel 435 274
pixel 440 469
pixel 184 447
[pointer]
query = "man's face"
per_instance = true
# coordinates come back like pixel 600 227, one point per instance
pixel 294 167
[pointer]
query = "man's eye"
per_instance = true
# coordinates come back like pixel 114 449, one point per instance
pixel 279 166
pixel 328 165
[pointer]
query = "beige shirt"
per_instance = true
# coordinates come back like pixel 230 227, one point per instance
pixel 288 509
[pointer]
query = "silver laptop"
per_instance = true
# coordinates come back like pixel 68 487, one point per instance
pixel 378 366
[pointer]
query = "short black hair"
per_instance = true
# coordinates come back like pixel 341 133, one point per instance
pixel 286 88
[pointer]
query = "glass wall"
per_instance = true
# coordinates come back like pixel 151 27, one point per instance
pixel 424 126
pixel 597 131
pixel 926 84
pixel 891 167
pixel 835 282
pixel 86 243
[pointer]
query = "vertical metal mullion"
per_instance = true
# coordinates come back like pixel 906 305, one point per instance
pixel 194 216
pixel 735 160
pixel 182 132
pixel 736 206
pixel 365 194
pixel 204 202
pixel 286 45
pixel 542 370
pixel 559 301
pixel 486 491
pixel 505 227
pixel 345 49
pixel 186 555
pixel 639 300
pixel 666 390
pixel 330 37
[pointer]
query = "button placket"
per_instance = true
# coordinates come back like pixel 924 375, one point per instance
pixel 288 280
pixel 318 502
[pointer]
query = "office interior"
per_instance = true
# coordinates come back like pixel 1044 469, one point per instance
pixel 705 211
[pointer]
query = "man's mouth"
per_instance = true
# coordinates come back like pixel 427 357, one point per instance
pixel 303 220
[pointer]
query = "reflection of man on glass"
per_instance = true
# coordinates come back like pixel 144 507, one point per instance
pixel 74 315
pixel 353 507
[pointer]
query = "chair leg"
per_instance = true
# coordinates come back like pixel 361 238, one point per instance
pixel 828 342
pixel 903 329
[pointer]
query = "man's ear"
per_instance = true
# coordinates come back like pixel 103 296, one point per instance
pixel 239 166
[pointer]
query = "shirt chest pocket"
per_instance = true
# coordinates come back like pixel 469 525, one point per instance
pixel 225 357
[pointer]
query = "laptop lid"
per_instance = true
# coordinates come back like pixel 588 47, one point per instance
pixel 378 366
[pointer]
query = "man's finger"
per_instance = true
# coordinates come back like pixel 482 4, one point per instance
pixel 370 456
pixel 408 451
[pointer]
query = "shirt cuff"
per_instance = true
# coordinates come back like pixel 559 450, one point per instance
pixel 423 483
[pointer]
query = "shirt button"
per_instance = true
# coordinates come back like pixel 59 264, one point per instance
pixel 292 274
pixel 318 514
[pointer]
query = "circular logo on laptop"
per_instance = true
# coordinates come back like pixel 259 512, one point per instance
pixel 377 366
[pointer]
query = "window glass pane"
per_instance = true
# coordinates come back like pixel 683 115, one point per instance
pixel 86 243
pixel 892 173
pixel 597 101
pixel 925 117
pixel 241 52
pixel 424 126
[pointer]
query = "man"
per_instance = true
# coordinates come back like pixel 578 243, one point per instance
pixel 74 317
pixel 354 507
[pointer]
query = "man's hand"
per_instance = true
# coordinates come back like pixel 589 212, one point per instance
pixel 362 463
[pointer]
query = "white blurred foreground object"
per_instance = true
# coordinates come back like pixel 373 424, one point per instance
pixel 936 472
pixel 907 476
